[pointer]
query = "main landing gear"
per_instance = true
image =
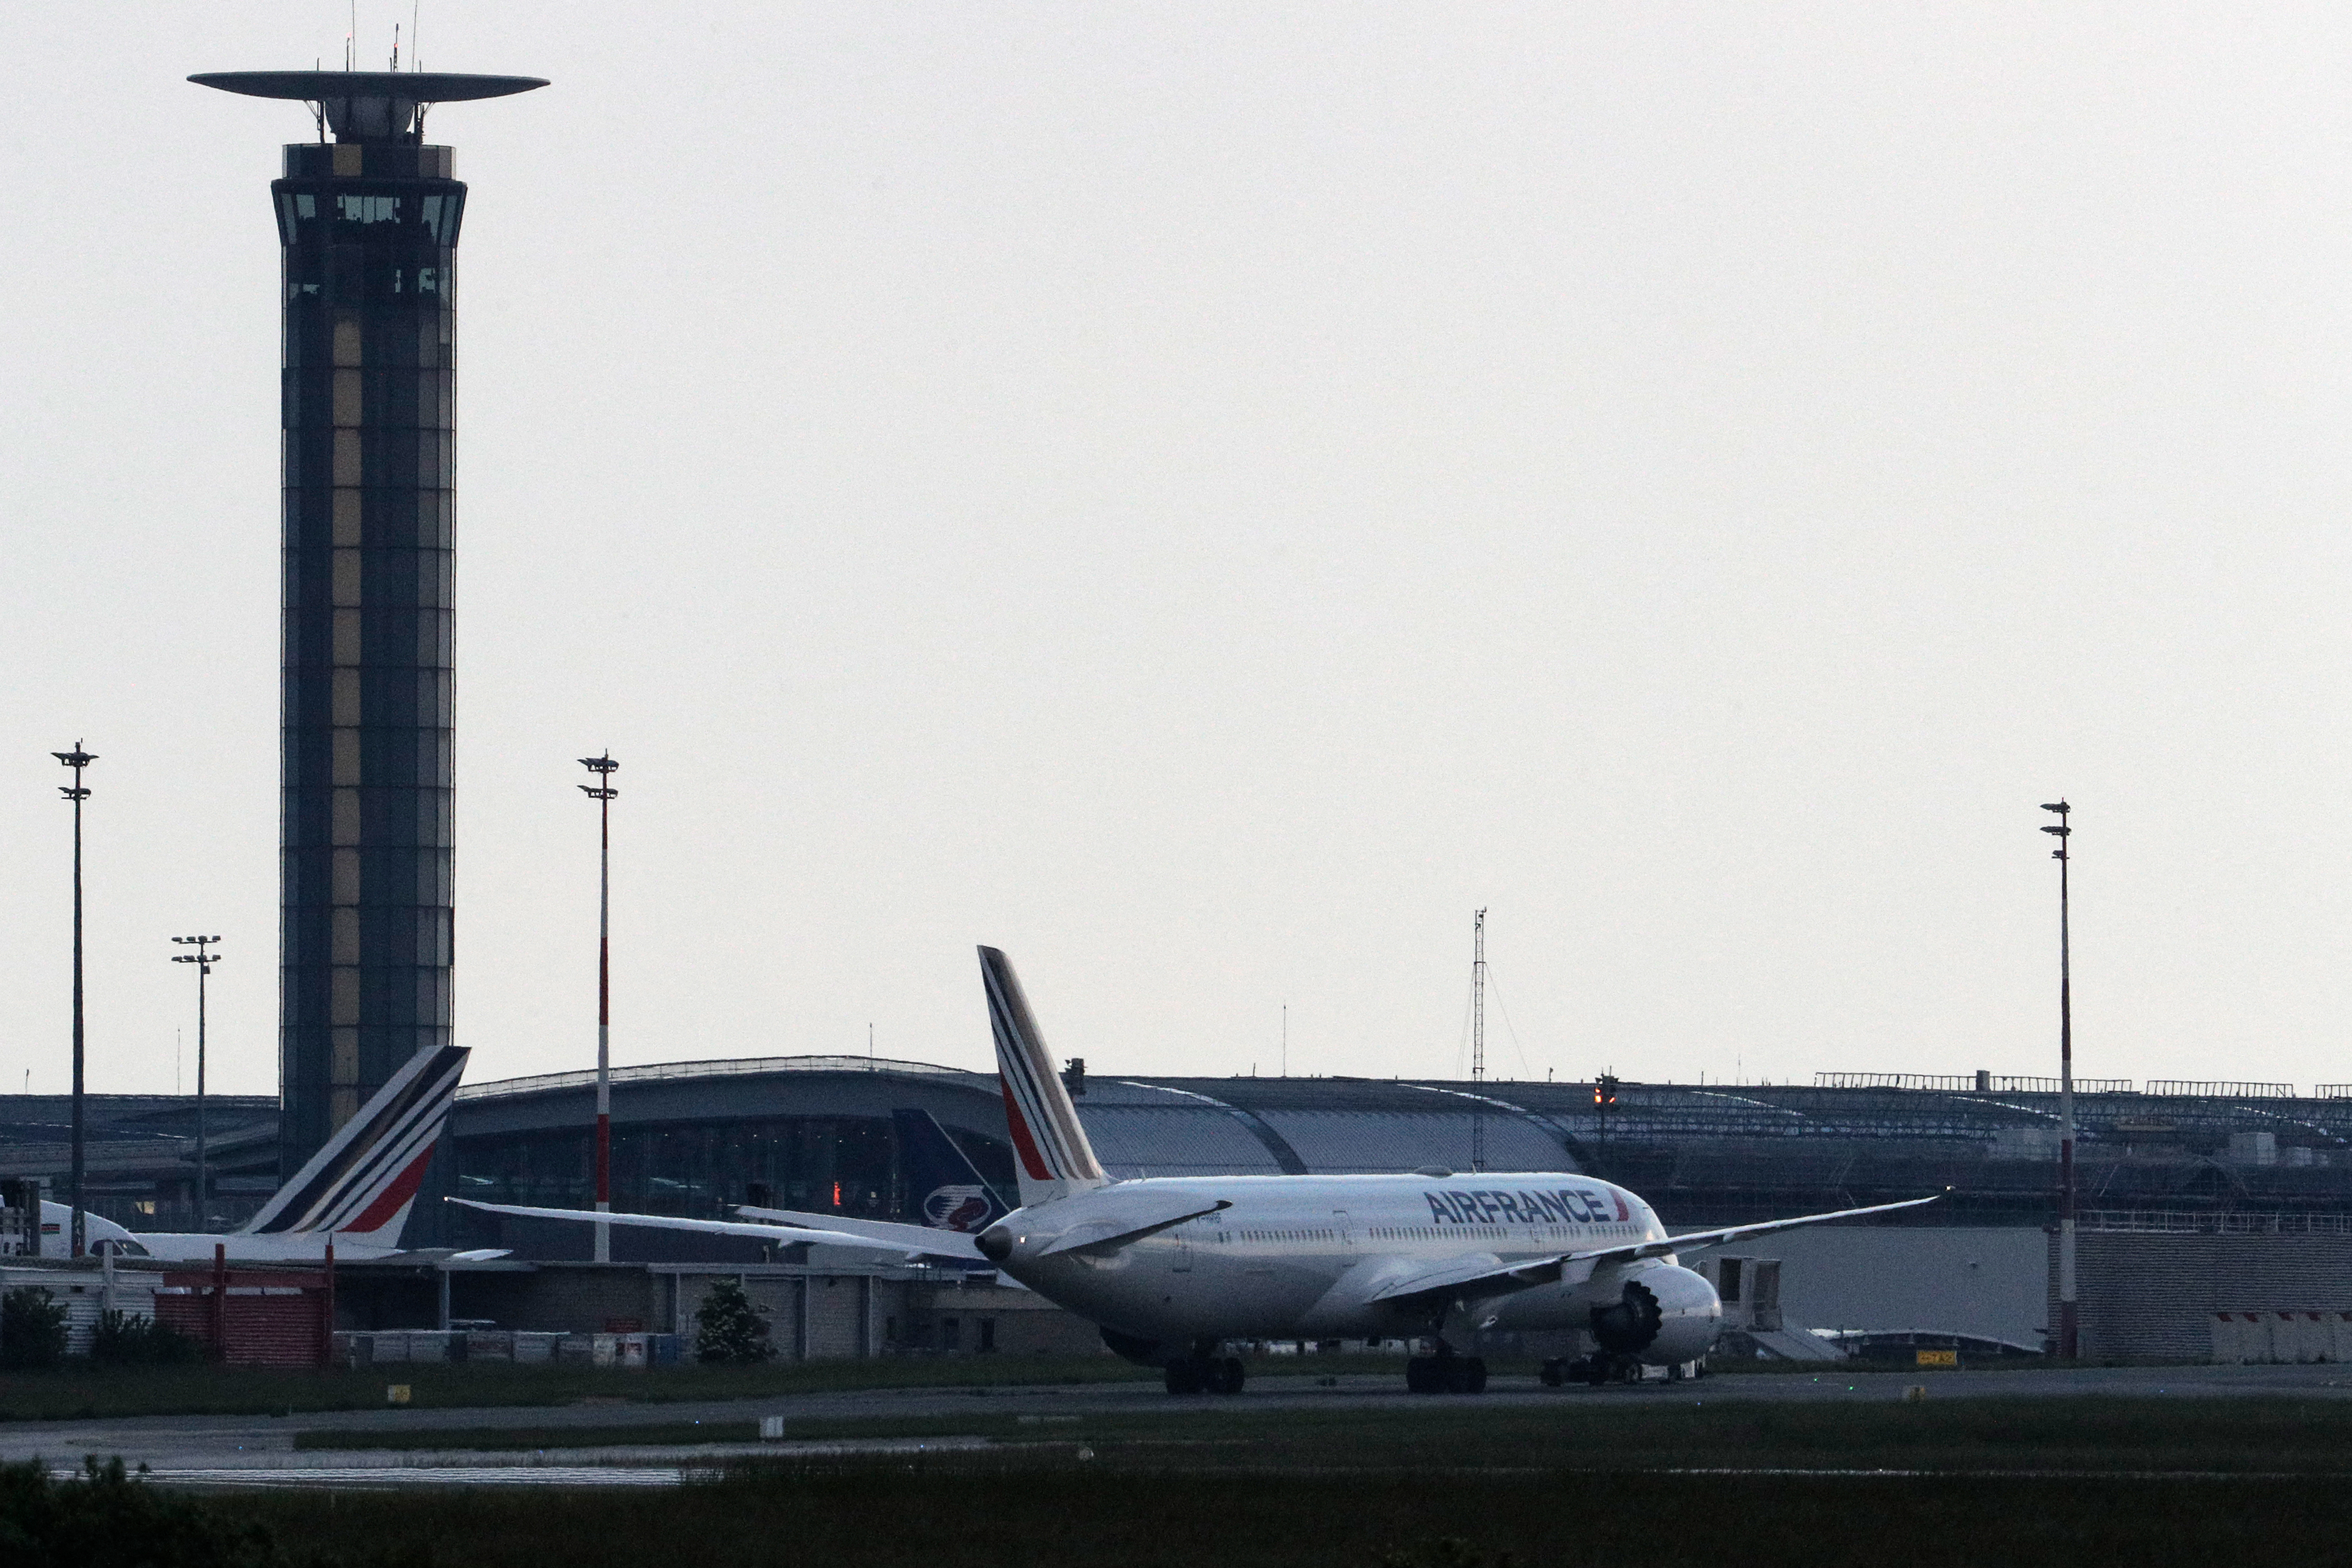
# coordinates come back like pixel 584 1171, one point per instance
pixel 1601 1367
pixel 1596 1369
pixel 1445 1373
pixel 1205 1374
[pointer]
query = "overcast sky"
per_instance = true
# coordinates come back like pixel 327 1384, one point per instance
pixel 1206 496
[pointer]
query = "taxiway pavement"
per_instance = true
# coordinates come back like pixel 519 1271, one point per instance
pixel 183 1446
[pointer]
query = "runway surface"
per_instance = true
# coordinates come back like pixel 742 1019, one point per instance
pixel 259 1449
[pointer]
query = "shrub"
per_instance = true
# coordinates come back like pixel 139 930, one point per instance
pixel 32 1328
pixel 726 1329
pixel 1447 1552
pixel 105 1519
pixel 134 1339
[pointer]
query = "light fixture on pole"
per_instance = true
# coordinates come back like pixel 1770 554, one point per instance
pixel 602 793
pixel 204 957
pixel 2069 1342
pixel 77 760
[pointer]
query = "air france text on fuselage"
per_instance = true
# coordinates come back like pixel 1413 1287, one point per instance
pixel 1562 1206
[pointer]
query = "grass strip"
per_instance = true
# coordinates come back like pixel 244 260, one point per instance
pixel 1575 1433
pixel 1080 1514
pixel 82 1392
pixel 2250 1435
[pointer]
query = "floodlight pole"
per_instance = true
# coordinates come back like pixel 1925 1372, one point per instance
pixel 204 957
pixel 1477 1036
pixel 2069 1334
pixel 76 759
pixel 602 793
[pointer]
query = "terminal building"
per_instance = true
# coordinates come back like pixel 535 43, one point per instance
pixel 2167 1169
pixel 814 1132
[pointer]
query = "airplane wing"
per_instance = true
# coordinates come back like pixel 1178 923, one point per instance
pixel 917 1239
pixel 1129 1222
pixel 1475 1268
pixel 1492 1275
pixel 914 1236
pixel 1697 1240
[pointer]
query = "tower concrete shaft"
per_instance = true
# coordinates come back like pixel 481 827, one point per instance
pixel 370 388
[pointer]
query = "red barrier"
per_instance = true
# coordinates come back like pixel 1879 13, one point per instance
pixel 253 1317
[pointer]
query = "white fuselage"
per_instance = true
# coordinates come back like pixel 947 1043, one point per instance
pixel 191 1246
pixel 1300 1256
pixel 300 1247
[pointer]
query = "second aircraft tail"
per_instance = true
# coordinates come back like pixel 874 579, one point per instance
pixel 360 1185
pixel 942 1185
pixel 1050 1152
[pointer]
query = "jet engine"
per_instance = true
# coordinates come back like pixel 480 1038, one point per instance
pixel 1664 1315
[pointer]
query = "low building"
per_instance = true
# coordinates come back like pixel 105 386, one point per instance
pixel 2182 1286
pixel 834 1310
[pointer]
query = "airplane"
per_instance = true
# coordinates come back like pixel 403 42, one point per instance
pixel 1170 1270
pixel 355 1192
pixel 943 1183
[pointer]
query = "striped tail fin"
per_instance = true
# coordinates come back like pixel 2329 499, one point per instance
pixel 361 1184
pixel 942 1184
pixel 1050 1152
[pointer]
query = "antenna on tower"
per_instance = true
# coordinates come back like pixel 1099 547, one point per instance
pixel 1478 1035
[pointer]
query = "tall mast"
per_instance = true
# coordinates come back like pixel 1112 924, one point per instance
pixel 2069 1320
pixel 602 793
pixel 1478 1035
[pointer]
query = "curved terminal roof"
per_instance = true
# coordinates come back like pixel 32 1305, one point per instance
pixel 1166 1125
pixel 1139 1127
pixel 719 1067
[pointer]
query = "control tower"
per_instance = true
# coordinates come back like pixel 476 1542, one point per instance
pixel 368 223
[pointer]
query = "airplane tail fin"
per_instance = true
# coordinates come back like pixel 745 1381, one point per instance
pixel 1050 1152
pixel 362 1184
pixel 943 1184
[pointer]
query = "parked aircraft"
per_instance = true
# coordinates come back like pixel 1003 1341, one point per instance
pixel 943 1183
pixel 355 1192
pixel 1172 1269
